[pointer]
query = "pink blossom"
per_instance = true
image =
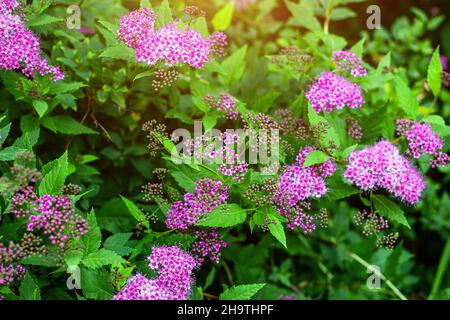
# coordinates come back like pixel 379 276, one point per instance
pixel 383 167
pixel 331 91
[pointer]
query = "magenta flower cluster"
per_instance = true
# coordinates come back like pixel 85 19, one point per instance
pixel 53 216
pixel 297 185
pixel 208 195
pixel 208 242
pixel 9 270
pixel 169 44
pixel 174 280
pixel 383 167
pixel 422 140
pixel 331 91
pixel 348 61
pixel 224 103
pixel 233 166
pixel 20 48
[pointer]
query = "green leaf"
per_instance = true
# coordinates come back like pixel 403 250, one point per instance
pixel 55 178
pixel 145 4
pixel 42 19
pixel 29 289
pixel 66 125
pixel 164 14
pixel 135 212
pixel 144 74
pixel 390 210
pixel 40 106
pixel 315 157
pixel 117 242
pixel 435 73
pixel 276 229
pixel 227 215
pixel 242 292
pixel 342 14
pixel 384 63
pixel 201 26
pixel 28 140
pixel 101 258
pixel 304 16
pixel 406 98
pixel 4 132
pixel 119 52
pixel 96 284
pixel 222 19
pixel 232 68
pixel 358 48
pixel 93 239
pixel 10 153
pixel 339 190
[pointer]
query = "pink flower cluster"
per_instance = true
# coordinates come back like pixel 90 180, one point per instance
pixel 331 91
pixel 218 41
pixel 9 270
pixel 174 281
pixel 224 103
pixel 348 61
pixel 233 166
pixel 208 242
pixel 208 195
pixel 7 6
pixel 354 130
pixel 20 48
pixel 52 215
pixel 169 43
pixel 422 140
pixel 56 217
pixel 382 166
pixel 297 185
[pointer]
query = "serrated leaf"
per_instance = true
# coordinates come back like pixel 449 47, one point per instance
pixel 222 19
pixel 435 73
pixel 117 242
pixel 55 178
pixel 227 215
pixel 29 289
pixel 120 52
pixel 135 212
pixel 390 210
pixel 10 153
pixel 28 140
pixel 406 98
pixel 40 106
pixel 92 240
pixel 384 63
pixel 232 68
pixel 96 284
pixel 303 16
pixel 315 157
pixel 276 229
pixel 102 257
pixel 242 292
pixel 66 125
pixel 164 14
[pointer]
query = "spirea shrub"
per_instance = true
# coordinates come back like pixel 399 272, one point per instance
pixel 170 152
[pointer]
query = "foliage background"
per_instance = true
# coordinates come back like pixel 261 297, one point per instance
pixel 108 156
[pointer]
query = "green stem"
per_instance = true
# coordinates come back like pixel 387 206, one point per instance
pixel 442 268
pixel 326 25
